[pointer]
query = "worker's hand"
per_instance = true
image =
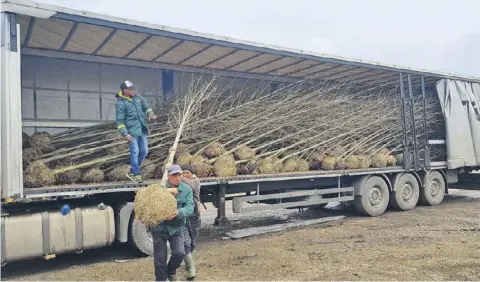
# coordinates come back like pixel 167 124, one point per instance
pixel 152 117
pixel 128 137
pixel 173 191
pixel 172 216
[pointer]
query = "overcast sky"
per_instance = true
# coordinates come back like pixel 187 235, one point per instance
pixel 431 34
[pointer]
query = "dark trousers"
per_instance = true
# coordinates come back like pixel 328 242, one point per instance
pixel 160 238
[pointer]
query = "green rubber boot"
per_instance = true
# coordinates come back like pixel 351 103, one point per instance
pixel 190 265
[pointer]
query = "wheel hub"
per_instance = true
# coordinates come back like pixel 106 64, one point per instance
pixel 375 197
pixel 434 188
pixel 407 192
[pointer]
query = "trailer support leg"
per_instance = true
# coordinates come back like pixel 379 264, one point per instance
pixel 221 219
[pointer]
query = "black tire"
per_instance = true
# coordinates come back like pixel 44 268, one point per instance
pixel 433 192
pixel 374 198
pixel 141 238
pixel 406 192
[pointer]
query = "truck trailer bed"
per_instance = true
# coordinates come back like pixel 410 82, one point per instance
pixel 126 186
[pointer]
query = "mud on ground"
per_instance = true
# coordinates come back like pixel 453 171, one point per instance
pixel 428 243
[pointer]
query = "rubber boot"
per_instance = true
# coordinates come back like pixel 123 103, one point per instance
pixel 190 265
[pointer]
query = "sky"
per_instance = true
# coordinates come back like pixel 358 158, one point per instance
pixel 437 35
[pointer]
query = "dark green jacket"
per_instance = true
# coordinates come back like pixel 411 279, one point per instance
pixel 131 115
pixel 185 206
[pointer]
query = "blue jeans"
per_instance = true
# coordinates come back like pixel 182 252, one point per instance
pixel 138 152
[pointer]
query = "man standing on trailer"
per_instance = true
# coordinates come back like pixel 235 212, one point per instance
pixel 171 230
pixel 132 112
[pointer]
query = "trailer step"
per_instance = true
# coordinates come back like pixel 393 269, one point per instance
pixel 315 197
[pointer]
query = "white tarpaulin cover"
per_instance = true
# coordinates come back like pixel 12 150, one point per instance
pixel 460 103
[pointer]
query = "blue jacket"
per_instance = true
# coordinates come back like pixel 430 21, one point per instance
pixel 131 115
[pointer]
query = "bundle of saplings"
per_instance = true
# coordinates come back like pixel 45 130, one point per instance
pixel 243 131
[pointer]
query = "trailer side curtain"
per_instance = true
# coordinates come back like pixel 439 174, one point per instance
pixel 460 103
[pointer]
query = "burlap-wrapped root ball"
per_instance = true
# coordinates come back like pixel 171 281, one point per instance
pixel 385 151
pixel 315 161
pixel 30 155
pixel 201 165
pixel 379 160
pixel 225 166
pixel 328 163
pixel 364 162
pixel 148 169
pixel 250 167
pixel 183 158
pixel 214 150
pixel 295 164
pixel 270 165
pixel 69 177
pixel 93 175
pixel 117 138
pixel 42 141
pixel 25 140
pixel 351 162
pixel 244 153
pixel 399 159
pixel 340 163
pixel 391 160
pixel 119 173
pixel 266 166
pixel 154 204
pixel 38 174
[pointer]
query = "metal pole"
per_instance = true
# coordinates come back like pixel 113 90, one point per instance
pixel 221 211
pixel 412 116
pixel 427 149
pixel 406 155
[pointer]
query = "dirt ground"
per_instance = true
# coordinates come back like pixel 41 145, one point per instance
pixel 428 243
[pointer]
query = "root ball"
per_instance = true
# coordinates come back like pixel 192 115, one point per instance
pixel 391 160
pixel 69 177
pixel 379 160
pixel 202 167
pixel 244 153
pixel 328 163
pixel 364 162
pixel 148 169
pixel 154 204
pixel 316 160
pixel 42 141
pixel 183 158
pixel 93 175
pixel 225 166
pixel 352 162
pixel 38 174
pixel 30 155
pixel 247 168
pixel 119 173
pixel 266 166
pixel 340 163
pixel 214 150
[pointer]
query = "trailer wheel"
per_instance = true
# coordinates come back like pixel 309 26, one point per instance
pixel 433 192
pixel 141 238
pixel 374 198
pixel 406 193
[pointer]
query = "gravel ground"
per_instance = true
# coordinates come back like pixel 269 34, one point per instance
pixel 428 243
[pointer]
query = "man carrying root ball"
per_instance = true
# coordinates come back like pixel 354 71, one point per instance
pixel 171 229
pixel 190 230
